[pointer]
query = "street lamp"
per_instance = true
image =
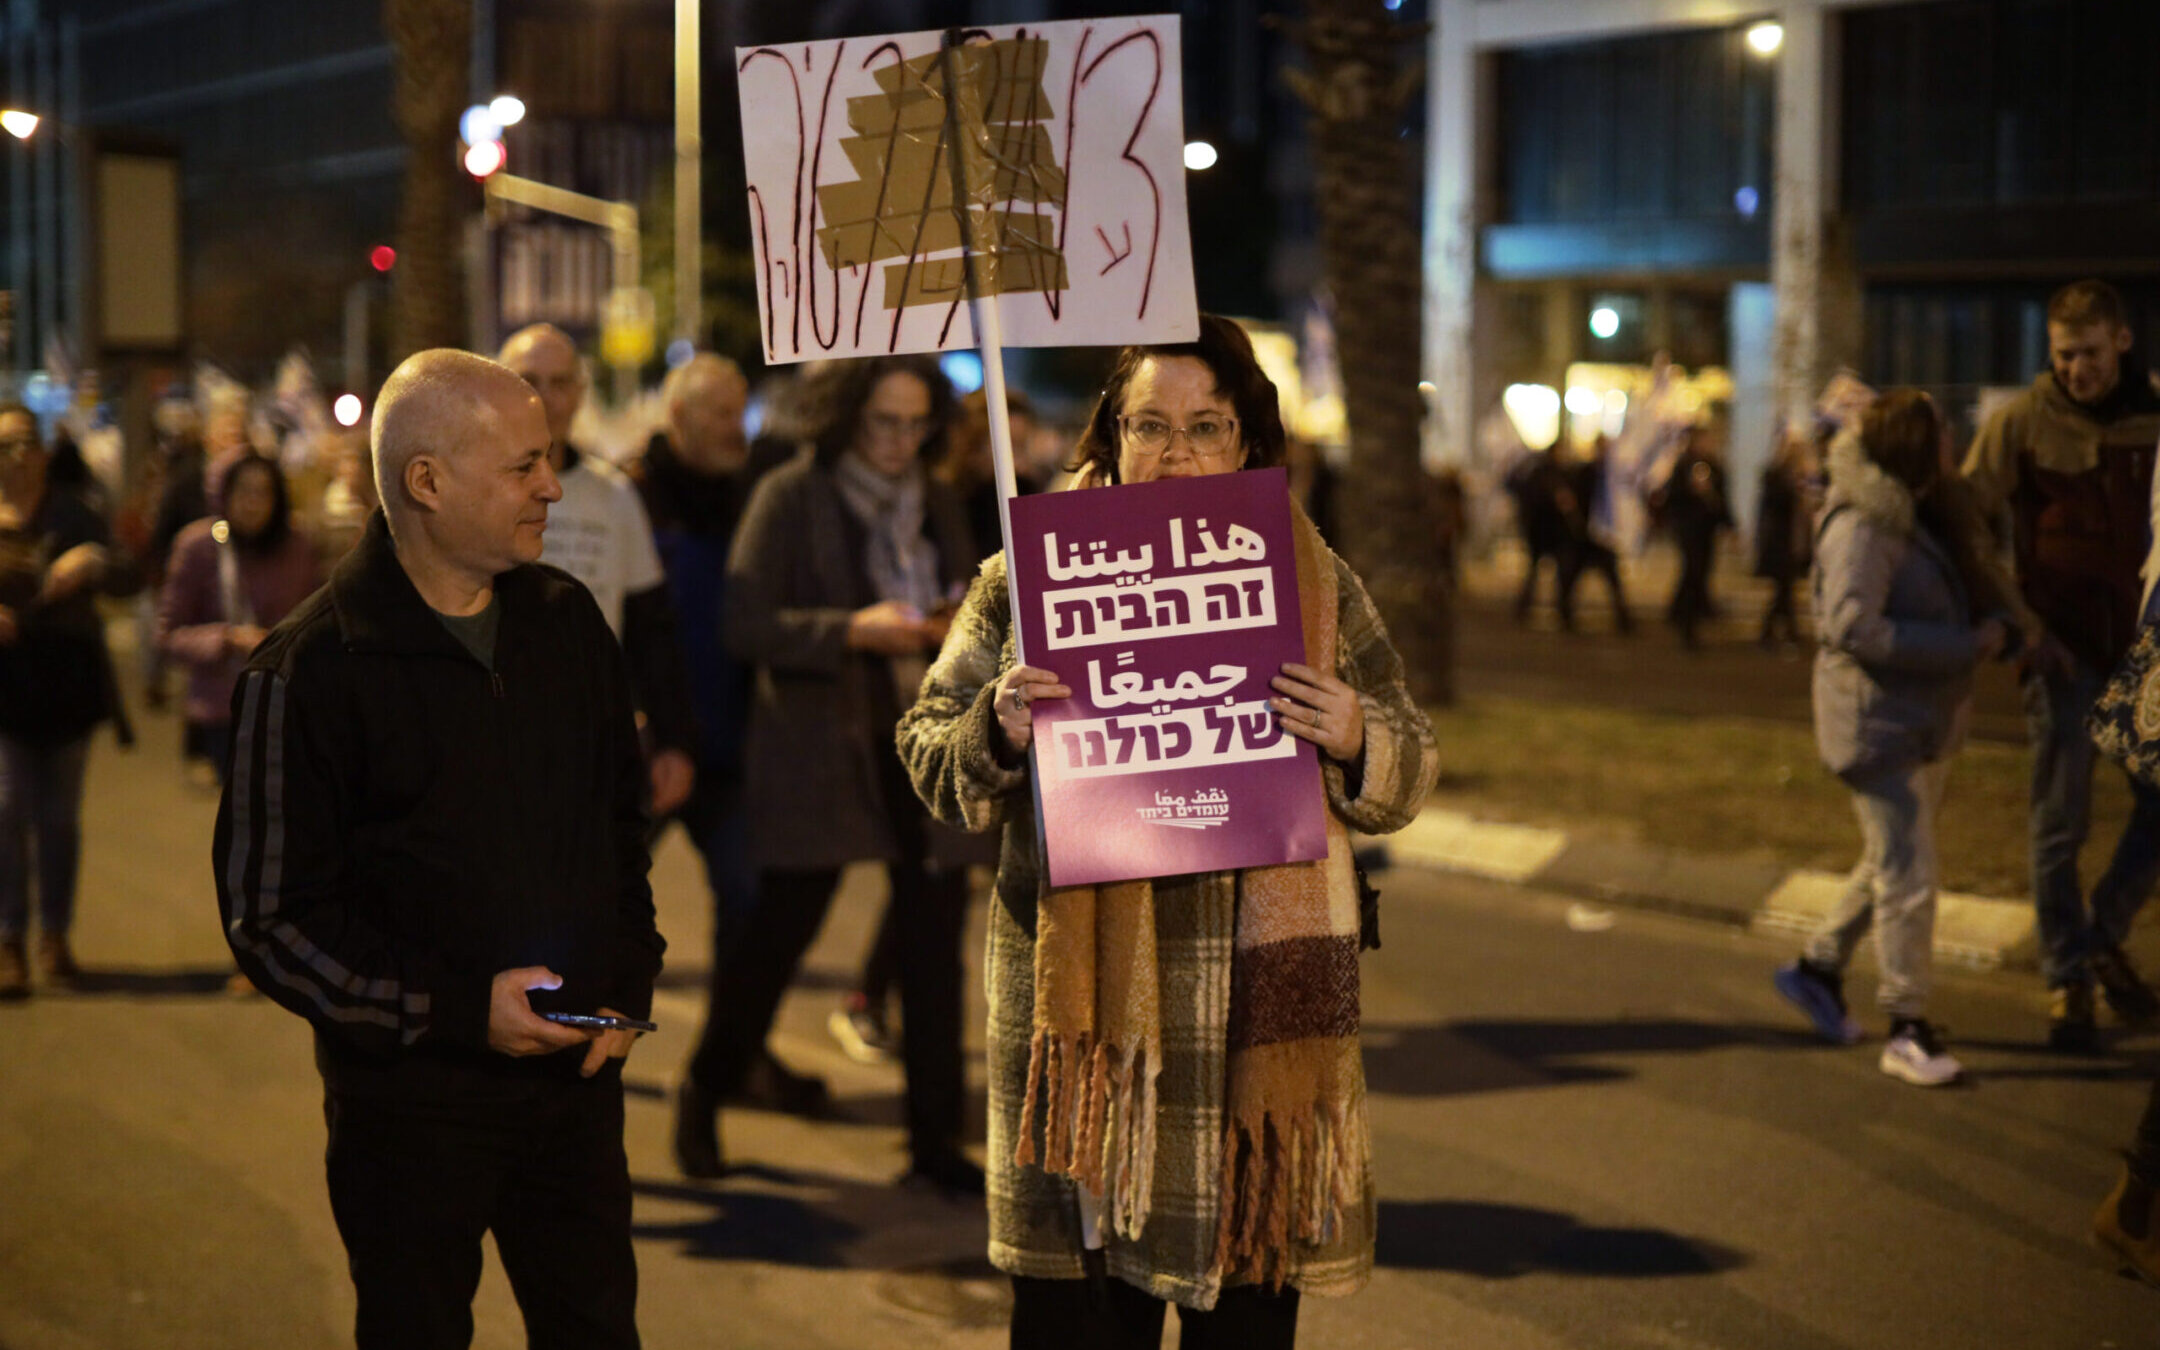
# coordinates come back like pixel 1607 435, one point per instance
pixel 18 123
pixel 1766 37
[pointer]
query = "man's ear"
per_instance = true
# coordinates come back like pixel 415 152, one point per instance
pixel 2123 338
pixel 423 481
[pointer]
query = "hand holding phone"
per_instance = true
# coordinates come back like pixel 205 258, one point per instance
pixel 599 1021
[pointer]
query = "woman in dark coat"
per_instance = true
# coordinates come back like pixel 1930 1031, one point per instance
pixel 844 571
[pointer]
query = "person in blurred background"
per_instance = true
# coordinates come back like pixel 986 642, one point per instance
pixel 231 579
pixel 1689 500
pixel 2060 472
pixel 839 587
pixel 599 534
pixel 1784 536
pixel 1587 506
pixel 1542 504
pixel 55 687
pixel 1221 1160
pixel 695 478
pixel 1906 607
pixel 2127 1224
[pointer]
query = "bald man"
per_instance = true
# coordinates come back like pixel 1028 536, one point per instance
pixel 601 536
pixel 431 841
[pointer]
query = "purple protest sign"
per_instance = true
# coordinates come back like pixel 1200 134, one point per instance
pixel 1167 607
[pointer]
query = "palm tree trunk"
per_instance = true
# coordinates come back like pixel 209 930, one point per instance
pixel 433 42
pixel 1357 89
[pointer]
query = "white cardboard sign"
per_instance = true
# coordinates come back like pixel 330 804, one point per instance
pixel 1070 161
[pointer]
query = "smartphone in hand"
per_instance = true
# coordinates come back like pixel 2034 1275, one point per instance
pixel 599 1021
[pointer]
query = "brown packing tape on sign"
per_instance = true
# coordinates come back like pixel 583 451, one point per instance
pixel 942 281
pixel 901 202
pixel 898 234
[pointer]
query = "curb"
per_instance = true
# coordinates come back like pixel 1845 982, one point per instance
pixel 1975 932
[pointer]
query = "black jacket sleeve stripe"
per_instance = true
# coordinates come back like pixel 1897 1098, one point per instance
pixel 266 942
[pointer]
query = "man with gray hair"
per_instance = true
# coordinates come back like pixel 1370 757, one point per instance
pixel 430 846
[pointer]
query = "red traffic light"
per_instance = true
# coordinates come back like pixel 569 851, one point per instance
pixel 484 158
pixel 383 257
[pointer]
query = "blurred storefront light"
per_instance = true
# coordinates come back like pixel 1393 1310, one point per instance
pixel 1604 321
pixel 1766 37
pixel 1199 155
pixel 1534 411
pixel 18 123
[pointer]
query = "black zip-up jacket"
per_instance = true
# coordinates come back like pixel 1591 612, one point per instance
pixel 403 823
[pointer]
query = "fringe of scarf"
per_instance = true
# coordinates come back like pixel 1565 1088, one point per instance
pixel 1096 1109
pixel 1288 1178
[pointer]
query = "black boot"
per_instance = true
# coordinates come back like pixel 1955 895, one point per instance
pixel 697 1133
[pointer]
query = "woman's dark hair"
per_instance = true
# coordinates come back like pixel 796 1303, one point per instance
pixel 1901 431
pixel 836 394
pixel 1228 354
pixel 279 525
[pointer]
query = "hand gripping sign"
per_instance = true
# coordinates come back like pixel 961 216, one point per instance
pixel 1042 165
pixel 1166 607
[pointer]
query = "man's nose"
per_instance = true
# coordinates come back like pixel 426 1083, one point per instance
pixel 551 487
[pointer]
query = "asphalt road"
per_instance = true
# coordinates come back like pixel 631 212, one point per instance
pixel 1612 1138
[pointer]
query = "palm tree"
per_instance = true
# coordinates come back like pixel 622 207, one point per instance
pixel 433 42
pixel 1357 88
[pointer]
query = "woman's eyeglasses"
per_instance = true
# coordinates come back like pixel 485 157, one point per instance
pixel 1208 436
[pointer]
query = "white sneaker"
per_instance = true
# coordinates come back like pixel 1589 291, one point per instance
pixel 1914 1054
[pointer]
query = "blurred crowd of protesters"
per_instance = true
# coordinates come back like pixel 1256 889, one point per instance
pixel 779 597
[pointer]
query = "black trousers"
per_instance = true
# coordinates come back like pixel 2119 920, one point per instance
pixel 415 1183
pixel 1588 555
pixel 1108 1314
pixel 2145 1149
pixel 926 912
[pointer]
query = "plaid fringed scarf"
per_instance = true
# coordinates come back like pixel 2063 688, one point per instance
pixel 1293 1146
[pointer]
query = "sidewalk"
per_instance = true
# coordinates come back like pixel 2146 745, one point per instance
pixel 1975 932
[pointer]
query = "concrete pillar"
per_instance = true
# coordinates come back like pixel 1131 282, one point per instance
pixel 1453 212
pixel 1809 278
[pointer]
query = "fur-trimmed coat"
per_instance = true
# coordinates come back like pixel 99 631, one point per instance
pixel 1898 609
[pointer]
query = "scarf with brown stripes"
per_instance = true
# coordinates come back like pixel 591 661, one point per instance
pixel 1294 1134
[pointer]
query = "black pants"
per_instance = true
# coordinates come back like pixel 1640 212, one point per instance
pixel 1691 603
pixel 1588 555
pixel 2145 1149
pixel 1783 611
pixel 415 1183
pixel 926 911
pixel 1109 1314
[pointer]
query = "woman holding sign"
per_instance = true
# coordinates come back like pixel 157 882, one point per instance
pixel 1177 1104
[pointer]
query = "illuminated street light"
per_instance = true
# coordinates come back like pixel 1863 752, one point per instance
pixel 1766 37
pixel 18 123
pixel 1199 155
pixel 346 410
pixel 1604 321
pixel 485 158
pixel 507 109
pixel 478 124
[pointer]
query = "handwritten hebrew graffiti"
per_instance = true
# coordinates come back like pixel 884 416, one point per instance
pixel 853 148
pixel 900 205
